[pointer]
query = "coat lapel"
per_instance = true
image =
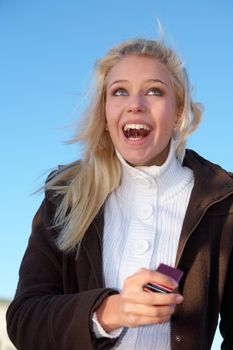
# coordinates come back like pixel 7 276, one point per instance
pixel 92 245
pixel 211 185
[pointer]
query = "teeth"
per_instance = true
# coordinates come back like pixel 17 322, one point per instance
pixel 136 126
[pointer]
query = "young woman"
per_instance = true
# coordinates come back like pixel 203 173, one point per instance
pixel 138 198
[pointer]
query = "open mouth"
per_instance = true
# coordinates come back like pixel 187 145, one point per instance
pixel 135 132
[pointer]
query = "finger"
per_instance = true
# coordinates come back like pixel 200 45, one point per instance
pixel 150 298
pixel 163 299
pixel 135 321
pixel 143 276
pixel 149 311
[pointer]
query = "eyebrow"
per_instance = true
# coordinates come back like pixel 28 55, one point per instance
pixel 147 80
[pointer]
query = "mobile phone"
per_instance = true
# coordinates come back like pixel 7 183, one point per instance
pixel 170 271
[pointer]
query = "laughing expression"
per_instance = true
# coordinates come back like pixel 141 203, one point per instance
pixel 141 110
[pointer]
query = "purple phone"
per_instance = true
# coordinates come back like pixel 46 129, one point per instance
pixel 173 272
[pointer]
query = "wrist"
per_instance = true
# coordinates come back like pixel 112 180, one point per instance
pixel 108 313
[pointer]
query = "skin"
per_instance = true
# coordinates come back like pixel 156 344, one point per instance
pixel 134 307
pixel 139 91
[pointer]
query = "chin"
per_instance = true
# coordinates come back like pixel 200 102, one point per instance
pixel 136 162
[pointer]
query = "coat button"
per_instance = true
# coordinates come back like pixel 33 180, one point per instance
pixel 178 338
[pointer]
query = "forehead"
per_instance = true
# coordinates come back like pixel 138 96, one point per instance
pixel 138 68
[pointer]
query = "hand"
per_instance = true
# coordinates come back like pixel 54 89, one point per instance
pixel 134 307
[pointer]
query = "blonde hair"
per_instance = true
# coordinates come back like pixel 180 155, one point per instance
pixel 84 186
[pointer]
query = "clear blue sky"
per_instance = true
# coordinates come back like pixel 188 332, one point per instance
pixel 48 49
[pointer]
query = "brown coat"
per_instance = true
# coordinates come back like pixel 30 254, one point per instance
pixel 57 292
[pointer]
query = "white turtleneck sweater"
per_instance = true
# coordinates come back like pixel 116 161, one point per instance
pixel 143 220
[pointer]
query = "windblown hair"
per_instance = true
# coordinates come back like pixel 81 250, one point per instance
pixel 84 186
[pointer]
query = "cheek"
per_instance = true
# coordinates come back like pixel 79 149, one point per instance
pixel 108 110
pixel 111 113
pixel 170 116
pixel 166 125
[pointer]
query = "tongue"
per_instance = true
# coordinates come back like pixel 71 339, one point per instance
pixel 136 133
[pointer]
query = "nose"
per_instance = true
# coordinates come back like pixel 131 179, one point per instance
pixel 136 104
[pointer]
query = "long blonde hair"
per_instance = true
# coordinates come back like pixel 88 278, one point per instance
pixel 84 186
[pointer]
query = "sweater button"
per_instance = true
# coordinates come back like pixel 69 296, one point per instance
pixel 141 246
pixel 146 211
pixel 141 181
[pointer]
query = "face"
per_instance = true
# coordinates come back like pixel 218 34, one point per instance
pixel 140 110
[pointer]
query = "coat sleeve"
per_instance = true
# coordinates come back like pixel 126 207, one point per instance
pixel 43 315
pixel 226 327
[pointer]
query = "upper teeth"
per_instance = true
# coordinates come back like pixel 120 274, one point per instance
pixel 136 126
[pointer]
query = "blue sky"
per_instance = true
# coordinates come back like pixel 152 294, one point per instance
pixel 48 49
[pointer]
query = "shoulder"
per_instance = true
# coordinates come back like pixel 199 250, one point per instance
pixel 59 180
pixel 197 162
pixel 212 183
pixel 62 170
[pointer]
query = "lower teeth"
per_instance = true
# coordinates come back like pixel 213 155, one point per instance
pixel 139 137
pixel 136 134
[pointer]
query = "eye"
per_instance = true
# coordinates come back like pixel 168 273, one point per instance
pixel 154 92
pixel 120 92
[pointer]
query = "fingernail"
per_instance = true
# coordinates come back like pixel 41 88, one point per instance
pixel 179 298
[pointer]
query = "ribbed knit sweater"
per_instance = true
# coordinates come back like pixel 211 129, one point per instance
pixel 143 221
